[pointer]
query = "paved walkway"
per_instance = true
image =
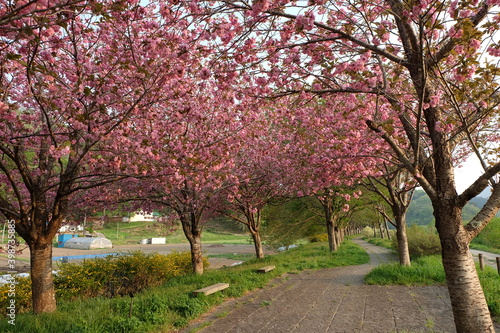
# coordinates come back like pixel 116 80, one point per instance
pixel 334 300
pixel 489 258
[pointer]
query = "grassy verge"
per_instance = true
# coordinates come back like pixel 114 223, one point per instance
pixel 132 233
pixel 429 271
pixel 387 243
pixel 423 271
pixel 233 256
pixel 171 306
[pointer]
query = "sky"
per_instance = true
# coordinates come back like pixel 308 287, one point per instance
pixel 469 171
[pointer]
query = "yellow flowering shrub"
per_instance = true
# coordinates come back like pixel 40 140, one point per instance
pixel 16 295
pixel 110 276
pixel 319 238
pixel 119 275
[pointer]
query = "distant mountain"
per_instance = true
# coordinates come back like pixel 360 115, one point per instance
pixel 478 201
pixel 420 210
pixel 486 193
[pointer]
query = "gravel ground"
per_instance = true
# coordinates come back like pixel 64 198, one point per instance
pixel 333 300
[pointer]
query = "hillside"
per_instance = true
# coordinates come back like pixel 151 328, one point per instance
pixel 420 210
pixel 217 230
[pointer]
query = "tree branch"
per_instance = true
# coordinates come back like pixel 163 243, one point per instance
pixel 478 186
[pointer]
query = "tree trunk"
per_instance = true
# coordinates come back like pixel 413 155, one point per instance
pixel 402 238
pixel 196 254
pixel 387 229
pixel 338 236
pixel 192 231
pixel 470 310
pixel 332 241
pixel 253 224
pixel 42 284
pixel 259 251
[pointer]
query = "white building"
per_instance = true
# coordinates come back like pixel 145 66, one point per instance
pixel 140 216
pixel 70 228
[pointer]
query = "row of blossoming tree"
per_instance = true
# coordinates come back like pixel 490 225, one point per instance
pixel 188 104
pixel 428 69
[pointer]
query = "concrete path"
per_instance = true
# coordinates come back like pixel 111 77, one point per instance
pixel 334 300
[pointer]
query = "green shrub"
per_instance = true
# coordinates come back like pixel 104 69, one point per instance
pixel 490 235
pixel 422 241
pixel 387 243
pixel 367 232
pixel 119 274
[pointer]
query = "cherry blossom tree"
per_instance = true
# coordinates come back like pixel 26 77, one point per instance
pixel 319 160
pixel 195 150
pixel 70 92
pixel 429 66
pixel 261 182
pixel 18 19
pixel 395 187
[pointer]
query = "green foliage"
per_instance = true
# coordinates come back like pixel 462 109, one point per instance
pixel 490 236
pixel 119 275
pixel 367 232
pixel 490 282
pixel 290 222
pixel 22 295
pixel 171 305
pixel 422 241
pixel 387 243
pixel 421 212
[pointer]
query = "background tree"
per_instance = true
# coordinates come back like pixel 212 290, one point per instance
pixel 291 221
pixel 319 162
pixel 396 188
pixel 195 148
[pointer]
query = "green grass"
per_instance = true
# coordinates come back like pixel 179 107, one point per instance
pixel 132 233
pixel 233 256
pixel 429 271
pixel 423 271
pixel 172 305
pixel 121 233
pixel 387 243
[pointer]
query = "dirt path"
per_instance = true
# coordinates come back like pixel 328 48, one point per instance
pixel 334 300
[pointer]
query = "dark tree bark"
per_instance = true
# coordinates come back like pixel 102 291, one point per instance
pixel 42 284
pixel 192 230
